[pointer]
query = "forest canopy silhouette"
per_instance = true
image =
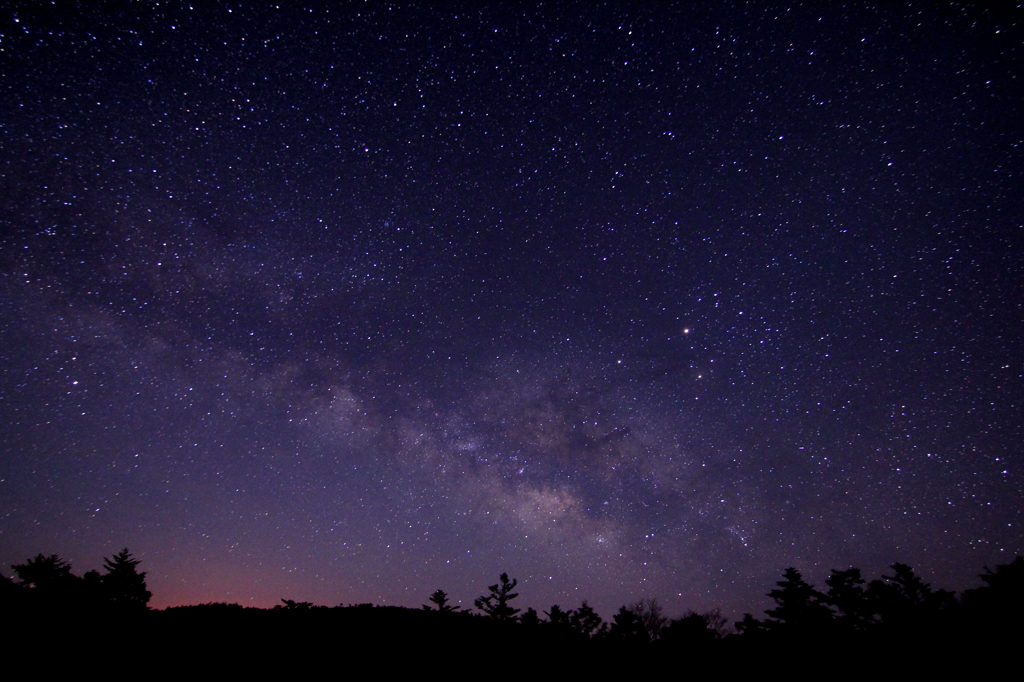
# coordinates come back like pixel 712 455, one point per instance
pixel 898 608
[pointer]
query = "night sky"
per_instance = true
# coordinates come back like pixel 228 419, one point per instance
pixel 348 303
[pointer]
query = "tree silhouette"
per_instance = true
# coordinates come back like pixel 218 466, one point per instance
pixel 750 626
pixel 496 604
pixel 440 600
pixel 1003 587
pixel 1007 577
pixel 904 600
pixel 13 597
pixel 530 618
pixel 692 629
pixel 846 594
pixel 650 616
pixel 996 607
pixel 798 605
pixel 44 572
pixel 585 621
pixel 558 617
pixel 717 623
pixel 626 626
pixel 49 582
pixel 123 584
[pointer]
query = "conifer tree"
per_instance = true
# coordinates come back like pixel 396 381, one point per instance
pixel 496 604
pixel 530 619
pixel 558 617
pixel 440 601
pixel 586 621
pixel 904 600
pixel 123 584
pixel 626 626
pixel 846 594
pixel 798 605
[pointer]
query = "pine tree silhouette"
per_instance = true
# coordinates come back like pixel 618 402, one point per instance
pixel 440 600
pixel 627 627
pixel 798 605
pixel 558 617
pixel 123 585
pixel 846 594
pixel 496 604
pixel 905 601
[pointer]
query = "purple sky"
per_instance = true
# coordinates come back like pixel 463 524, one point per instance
pixel 350 303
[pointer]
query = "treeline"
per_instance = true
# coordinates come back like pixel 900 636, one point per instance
pixel 899 606
pixel 46 583
pixel 898 611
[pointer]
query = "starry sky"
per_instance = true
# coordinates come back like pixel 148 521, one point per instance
pixel 350 302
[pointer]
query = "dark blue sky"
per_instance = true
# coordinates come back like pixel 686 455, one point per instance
pixel 352 302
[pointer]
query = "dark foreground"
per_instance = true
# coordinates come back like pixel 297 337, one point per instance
pixel 895 626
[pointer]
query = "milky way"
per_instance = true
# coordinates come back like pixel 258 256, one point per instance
pixel 349 303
